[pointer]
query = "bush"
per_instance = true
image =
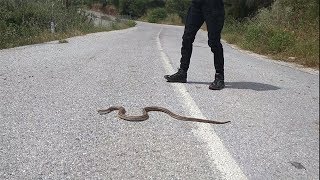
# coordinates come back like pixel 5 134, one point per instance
pixel 239 9
pixel 280 40
pixel 155 4
pixel 156 15
pixel 267 39
pixel 115 3
pixel 179 7
pixel 134 8
pixel 254 32
pixel 138 8
pixel 22 21
pixel 173 19
pixel 289 28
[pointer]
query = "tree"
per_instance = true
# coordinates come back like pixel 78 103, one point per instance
pixel 240 9
pixel 136 8
pixel 179 7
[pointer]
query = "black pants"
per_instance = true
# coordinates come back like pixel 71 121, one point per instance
pixel 211 12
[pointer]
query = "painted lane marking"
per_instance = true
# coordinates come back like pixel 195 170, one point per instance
pixel 219 156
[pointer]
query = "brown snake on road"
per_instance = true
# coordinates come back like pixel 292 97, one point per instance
pixel 145 116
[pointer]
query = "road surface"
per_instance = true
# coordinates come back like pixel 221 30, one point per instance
pixel 50 128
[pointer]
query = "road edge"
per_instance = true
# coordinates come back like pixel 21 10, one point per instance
pixel 220 158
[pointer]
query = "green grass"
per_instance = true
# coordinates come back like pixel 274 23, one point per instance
pixel 170 19
pixel 275 42
pixel 46 35
pixel 28 22
pixel 279 32
pixel 156 15
pixel 287 31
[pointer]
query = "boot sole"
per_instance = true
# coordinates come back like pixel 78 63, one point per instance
pixel 177 81
pixel 212 88
pixel 182 81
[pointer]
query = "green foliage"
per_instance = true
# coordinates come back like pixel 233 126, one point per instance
pixel 289 28
pixel 179 7
pixel 268 39
pixel 239 9
pixel 124 7
pixel 19 19
pixel 130 23
pixel 157 14
pixel 134 8
pixel 173 19
pixel 253 34
pixel 27 22
pixel 137 8
pixel 280 40
pixel 156 4
pixel 116 3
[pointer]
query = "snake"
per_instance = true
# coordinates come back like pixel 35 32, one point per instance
pixel 145 115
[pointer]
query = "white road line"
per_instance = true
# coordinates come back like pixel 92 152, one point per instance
pixel 220 158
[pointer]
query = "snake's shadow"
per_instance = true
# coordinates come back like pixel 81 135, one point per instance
pixel 244 85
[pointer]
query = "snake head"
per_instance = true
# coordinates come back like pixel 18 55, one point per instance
pixel 104 111
pixel 110 109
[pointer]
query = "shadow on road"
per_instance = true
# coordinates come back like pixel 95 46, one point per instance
pixel 244 85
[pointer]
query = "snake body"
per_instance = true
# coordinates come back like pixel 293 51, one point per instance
pixel 145 115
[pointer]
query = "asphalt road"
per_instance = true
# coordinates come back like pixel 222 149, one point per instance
pixel 50 128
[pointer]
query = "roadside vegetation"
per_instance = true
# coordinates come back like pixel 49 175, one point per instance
pixel 35 21
pixel 282 29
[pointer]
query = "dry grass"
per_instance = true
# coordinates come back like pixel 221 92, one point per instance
pixel 283 33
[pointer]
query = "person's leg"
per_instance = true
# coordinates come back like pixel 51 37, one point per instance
pixel 214 18
pixel 194 21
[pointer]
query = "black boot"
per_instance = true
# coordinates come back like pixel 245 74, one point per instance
pixel 218 83
pixel 180 76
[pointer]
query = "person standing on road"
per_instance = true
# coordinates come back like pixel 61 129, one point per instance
pixel 212 12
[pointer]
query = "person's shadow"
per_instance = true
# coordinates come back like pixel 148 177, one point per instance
pixel 244 85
